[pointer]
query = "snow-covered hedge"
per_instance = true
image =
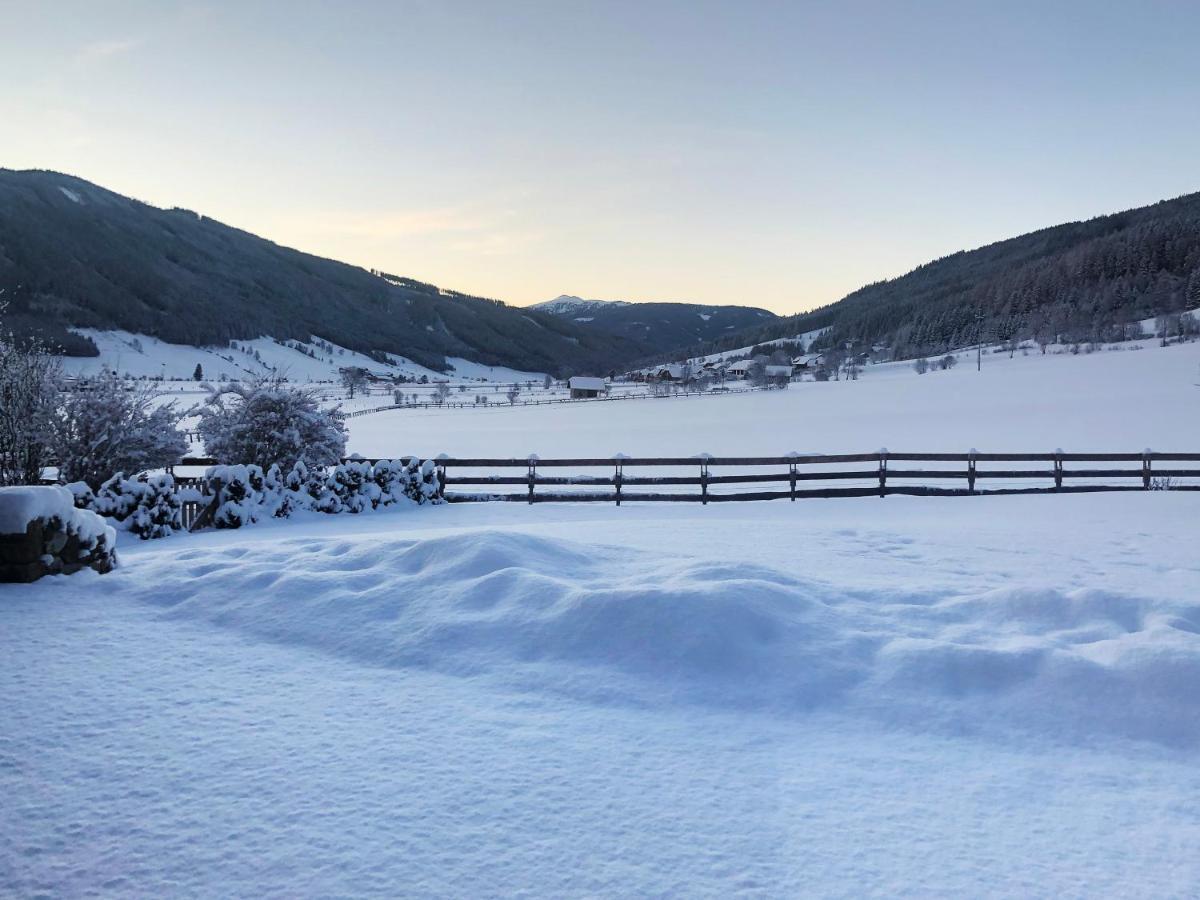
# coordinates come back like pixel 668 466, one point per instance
pixel 148 506
pixel 246 494
pixel 41 533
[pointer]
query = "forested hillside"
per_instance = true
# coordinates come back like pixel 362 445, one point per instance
pixel 1083 281
pixel 667 326
pixel 72 253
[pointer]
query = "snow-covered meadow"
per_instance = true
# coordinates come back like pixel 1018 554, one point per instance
pixel 857 697
pixel 836 698
pixel 1120 400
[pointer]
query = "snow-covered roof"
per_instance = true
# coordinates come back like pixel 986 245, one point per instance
pixel 585 383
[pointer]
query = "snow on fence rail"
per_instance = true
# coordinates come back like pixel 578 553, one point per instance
pixel 796 476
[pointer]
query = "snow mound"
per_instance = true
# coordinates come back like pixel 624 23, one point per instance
pixel 613 625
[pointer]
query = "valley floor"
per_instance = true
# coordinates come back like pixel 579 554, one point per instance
pixel 1128 399
pixel 988 696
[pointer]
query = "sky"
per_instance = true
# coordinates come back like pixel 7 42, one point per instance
pixel 758 153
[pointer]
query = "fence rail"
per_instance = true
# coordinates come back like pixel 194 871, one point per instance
pixel 793 477
pixel 811 475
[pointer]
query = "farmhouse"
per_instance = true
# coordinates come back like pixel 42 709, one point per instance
pixel 583 387
pixel 739 369
pixel 671 372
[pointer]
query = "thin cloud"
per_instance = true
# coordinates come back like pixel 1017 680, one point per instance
pixel 98 51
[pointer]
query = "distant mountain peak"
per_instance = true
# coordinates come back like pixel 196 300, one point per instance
pixel 564 304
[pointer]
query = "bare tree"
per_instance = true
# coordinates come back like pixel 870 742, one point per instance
pixel 513 393
pixel 28 376
pixel 353 378
pixel 921 366
pixel 441 392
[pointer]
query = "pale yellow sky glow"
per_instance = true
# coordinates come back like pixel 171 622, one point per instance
pixel 778 155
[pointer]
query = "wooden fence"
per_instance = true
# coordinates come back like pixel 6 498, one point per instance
pixel 711 479
pixel 705 479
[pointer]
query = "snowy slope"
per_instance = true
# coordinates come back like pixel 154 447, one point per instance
pixel 141 355
pixel 854 698
pixel 1124 400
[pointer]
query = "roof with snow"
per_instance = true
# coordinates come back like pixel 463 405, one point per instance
pixel 585 383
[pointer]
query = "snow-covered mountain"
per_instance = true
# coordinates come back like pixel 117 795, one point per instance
pixel 569 305
pixel 663 326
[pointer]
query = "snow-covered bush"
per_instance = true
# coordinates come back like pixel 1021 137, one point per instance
pixel 267 421
pixel 46 534
pixel 104 425
pixel 237 500
pixel 354 486
pixel 244 494
pixel 423 485
pixel 159 512
pixel 148 507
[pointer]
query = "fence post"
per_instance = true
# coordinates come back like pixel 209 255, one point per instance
pixel 971 470
pixel 441 473
pixel 883 472
pixel 703 482
pixel 617 481
pixel 1146 469
pixel 532 476
pixel 792 472
pixel 1058 469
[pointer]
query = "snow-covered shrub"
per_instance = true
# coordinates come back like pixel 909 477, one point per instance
pixel 46 534
pixel 159 512
pixel 237 502
pixel 354 486
pixel 391 479
pixel 267 421
pixel 117 498
pixel 85 497
pixel 148 506
pixel 104 425
pixel 423 484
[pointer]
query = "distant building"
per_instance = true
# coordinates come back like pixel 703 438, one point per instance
pixel 583 387
pixel 739 369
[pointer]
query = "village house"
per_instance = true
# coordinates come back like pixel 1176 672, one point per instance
pixel 779 375
pixel 583 387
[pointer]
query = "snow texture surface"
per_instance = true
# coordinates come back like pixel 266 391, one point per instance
pixel 959 696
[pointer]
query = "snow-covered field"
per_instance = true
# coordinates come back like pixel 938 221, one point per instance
pixel 1122 400
pixel 988 696
pixel 911 696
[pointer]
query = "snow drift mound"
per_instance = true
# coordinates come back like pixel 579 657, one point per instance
pixel 610 624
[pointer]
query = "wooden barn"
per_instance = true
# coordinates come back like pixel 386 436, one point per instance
pixel 583 387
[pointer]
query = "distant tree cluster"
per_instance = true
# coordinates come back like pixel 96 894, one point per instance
pixel 1083 282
